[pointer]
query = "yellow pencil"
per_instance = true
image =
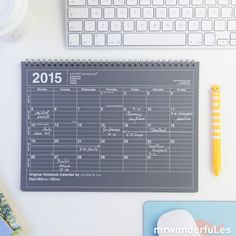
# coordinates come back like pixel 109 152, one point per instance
pixel 216 129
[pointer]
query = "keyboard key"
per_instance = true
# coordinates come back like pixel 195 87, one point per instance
pixel 132 2
pixel 207 25
pixel 109 13
pixel 92 2
pixel 159 39
pixel 122 13
pixel 74 39
pixel 187 12
pixel 226 12
pixel 96 13
pixel 222 42
pixel 129 25
pixel 233 42
pixel 115 25
pixel 174 12
pixel 167 25
pixel 220 25
pixel 233 35
pixel 195 39
pixel 232 25
pixel 145 2
pixel 223 2
pixel 180 25
pixel 76 2
pixel 184 2
pixel 193 25
pixel 210 2
pixel 155 25
pixel 159 2
pixel 119 2
pixel 135 13
pixel 75 26
pixel 102 26
pixel 197 2
pixel 79 13
pixel 106 2
pixel 171 2
pixel 87 39
pixel 222 35
pixel 141 25
pixel 161 12
pixel 200 12
pixel 213 12
pixel 99 39
pixel 147 12
pixel 114 39
pixel 89 26
pixel 209 39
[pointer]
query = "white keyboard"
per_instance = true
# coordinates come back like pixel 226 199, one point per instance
pixel 151 23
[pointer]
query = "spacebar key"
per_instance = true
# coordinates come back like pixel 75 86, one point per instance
pixel 154 39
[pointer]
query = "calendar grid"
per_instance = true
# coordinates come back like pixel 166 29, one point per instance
pixel 141 125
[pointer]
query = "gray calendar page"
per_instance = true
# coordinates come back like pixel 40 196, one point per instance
pixel 110 126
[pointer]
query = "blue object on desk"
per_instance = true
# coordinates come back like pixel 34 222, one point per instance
pixel 5 229
pixel 213 213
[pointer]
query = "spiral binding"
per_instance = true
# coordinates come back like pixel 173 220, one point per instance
pixel 106 63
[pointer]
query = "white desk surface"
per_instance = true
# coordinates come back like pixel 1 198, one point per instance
pixel 103 214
